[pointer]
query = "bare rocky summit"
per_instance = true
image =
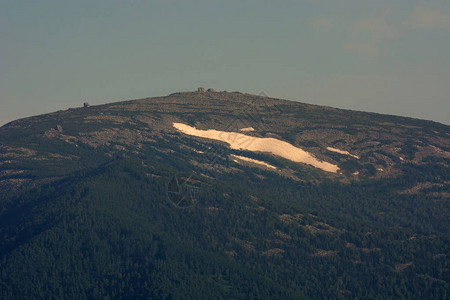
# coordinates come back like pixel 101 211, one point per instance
pixel 379 144
pixel 229 195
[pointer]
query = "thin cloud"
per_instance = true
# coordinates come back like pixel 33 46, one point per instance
pixel 369 34
pixel 324 24
pixel 363 49
pixel 376 27
pixel 427 19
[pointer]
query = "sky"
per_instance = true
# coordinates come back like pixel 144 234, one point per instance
pixel 381 56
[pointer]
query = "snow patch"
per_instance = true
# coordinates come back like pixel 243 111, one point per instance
pixel 241 141
pixel 247 129
pixel 342 152
pixel 248 159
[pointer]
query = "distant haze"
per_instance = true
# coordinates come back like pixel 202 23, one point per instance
pixel 380 56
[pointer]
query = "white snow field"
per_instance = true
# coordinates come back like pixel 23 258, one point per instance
pixel 274 146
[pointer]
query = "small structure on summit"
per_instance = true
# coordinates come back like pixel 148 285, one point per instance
pixel 211 90
pixel 201 90
pixel 85 104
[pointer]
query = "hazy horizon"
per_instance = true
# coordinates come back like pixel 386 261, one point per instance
pixel 383 57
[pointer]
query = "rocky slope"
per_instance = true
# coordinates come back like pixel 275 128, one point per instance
pixel 42 148
pixel 195 195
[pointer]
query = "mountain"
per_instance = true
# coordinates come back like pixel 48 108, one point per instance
pixel 223 195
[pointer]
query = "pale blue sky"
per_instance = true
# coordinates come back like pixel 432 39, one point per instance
pixel 382 56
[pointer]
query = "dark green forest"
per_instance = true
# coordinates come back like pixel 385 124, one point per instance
pixel 112 232
pixel 112 202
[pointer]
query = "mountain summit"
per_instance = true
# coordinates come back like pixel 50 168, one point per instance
pixel 223 195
